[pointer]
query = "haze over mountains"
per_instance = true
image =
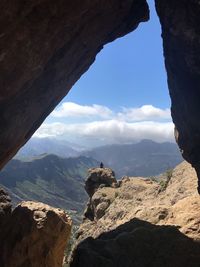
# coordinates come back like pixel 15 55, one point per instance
pixel 38 146
pixel 145 158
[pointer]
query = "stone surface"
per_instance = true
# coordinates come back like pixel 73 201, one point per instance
pixel 45 46
pixel 5 207
pixel 138 243
pixel 181 37
pixel 99 177
pixel 35 236
pixel 161 218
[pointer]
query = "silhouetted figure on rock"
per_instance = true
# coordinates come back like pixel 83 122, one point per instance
pixel 101 165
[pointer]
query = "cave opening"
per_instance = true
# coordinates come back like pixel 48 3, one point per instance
pixel 125 89
pixel 122 100
pixel 137 103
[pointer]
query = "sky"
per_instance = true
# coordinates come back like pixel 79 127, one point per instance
pixel 122 98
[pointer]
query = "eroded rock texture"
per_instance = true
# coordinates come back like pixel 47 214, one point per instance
pixel 99 177
pixel 34 236
pixel 45 46
pixel 181 38
pixel 144 223
pixel 5 207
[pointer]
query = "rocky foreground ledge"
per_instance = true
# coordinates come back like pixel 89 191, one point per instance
pixel 141 222
pixel 33 235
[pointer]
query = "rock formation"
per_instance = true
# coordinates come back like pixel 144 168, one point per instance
pixel 181 36
pixel 5 207
pixel 35 235
pixel 98 178
pixel 143 223
pixel 104 177
pixel 45 46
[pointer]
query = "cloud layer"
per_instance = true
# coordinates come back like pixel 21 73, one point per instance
pixel 146 112
pixel 108 127
pixel 70 109
pixel 143 113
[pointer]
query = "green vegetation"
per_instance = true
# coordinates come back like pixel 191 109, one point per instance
pixel 164 182
pixel 50 179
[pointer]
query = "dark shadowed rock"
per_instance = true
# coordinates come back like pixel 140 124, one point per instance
pixel 180 22
pixel 5 207
pixel 138 243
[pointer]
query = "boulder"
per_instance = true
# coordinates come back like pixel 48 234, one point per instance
pixel 36 235
pixel 99 177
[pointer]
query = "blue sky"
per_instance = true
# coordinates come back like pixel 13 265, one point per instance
pixel 127 72
pixel 123 97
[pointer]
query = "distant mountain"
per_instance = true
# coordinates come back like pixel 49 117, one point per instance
pixel 36 146
pixel 146 158
pixel 50 179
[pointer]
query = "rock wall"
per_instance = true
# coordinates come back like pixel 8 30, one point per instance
pixel 181 38
pixel 33 235
pixel 45 46
pixel 143 223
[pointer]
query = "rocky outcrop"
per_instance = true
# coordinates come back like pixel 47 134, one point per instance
pixel 45 46
pixel 35 236
pixel 151 223
pixel 181 36
pixel 99 177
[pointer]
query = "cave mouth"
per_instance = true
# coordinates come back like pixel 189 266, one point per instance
pixel 124 90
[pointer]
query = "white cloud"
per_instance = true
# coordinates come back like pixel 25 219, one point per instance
pixel 129 125
pixel 143 113
pixel 110 131
pixel 146 112
pixel 70 109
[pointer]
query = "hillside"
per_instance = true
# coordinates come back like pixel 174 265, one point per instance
pixel 138 216
pixel 146 158
pixel 56 181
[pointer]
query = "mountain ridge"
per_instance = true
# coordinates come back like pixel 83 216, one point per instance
pixel 53 180
pixel 146 158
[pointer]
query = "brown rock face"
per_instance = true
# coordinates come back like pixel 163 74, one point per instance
pixel 181 36
pixel 144 223
pixel 97 177
pixel 34 236
pixel 45 46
